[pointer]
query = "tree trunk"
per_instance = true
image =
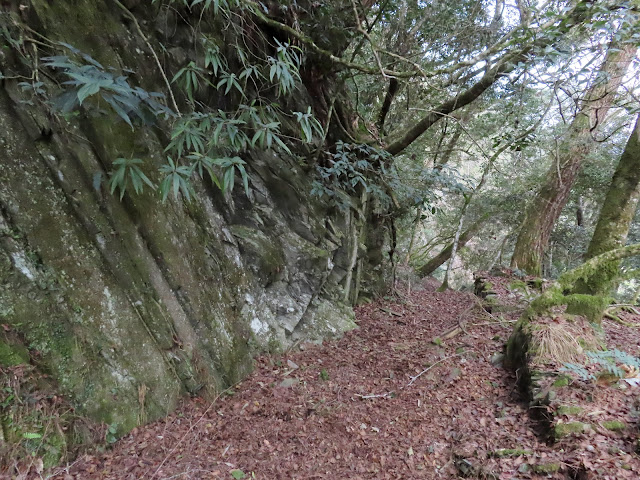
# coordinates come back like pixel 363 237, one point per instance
pixel 414 232
pixel 545 209
pixel 444 255
pixel 616 215
pixel 448 152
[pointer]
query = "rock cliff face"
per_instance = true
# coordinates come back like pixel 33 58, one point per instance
pixel 131 304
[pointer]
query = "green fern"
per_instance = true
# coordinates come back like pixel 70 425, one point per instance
pixel 577 370
pixel 607 360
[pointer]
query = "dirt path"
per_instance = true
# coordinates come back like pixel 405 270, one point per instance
pixel 348 410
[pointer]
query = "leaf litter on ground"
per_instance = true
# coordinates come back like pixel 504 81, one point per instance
pixel 383 402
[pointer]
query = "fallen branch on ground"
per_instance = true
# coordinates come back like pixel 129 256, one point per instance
pixel 452 332
pixel 381 395
pixel 413 379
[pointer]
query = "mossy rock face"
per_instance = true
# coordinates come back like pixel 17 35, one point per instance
pixel 562 381
pixel 261 251
pixel 131 305
pixel 589 306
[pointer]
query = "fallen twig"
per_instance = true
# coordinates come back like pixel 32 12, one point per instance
pixel 459 328
pixel 381 395
pixel 413 379
pixel 391 312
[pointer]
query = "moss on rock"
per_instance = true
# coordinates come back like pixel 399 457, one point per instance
pixel 614 425
pixel 509 452
pixel 591 307
pixel 561 430
pixel 562 381
pixel 12 354
pixel 266 253
pixel 545 468
pixel 568 410
pixel 518 285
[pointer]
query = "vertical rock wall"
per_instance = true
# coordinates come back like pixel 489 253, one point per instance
pixel 131 304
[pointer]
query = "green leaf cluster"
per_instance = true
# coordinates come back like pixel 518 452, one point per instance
pixel 350 168
pixel 87 78
pixel 127 172
pixel 205 142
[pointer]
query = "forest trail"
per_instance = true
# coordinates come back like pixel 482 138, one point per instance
pixel 392 399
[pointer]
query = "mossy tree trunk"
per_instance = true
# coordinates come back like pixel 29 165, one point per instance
pixel 616 215
pixel 517 352
pixel 543 212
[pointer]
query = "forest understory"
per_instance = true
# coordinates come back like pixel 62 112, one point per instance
pixel 186 185
pixel 417 391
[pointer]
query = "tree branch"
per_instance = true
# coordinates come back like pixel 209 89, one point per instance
pixel 507 63
pixel 386 106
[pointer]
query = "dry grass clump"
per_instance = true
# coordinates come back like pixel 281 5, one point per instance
pixel 560 343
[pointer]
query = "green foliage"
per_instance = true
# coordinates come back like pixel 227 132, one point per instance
pixel 127 172
pixel 607 360
pixel 110 434
pixel 176 180
pixel 88 78
pixel 204 140
pixel 213 57
pixel 351 167
pixel 36 87
pixel 189 78
pixel 215 5
pixel 578 370
pixel 284 67
pixel 309 125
